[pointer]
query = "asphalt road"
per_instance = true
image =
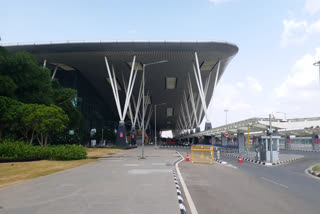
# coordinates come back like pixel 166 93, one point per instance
pixel 119 183
pixel 253 188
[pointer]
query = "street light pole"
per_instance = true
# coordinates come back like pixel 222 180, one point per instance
pixel 317 64
pixel 155 123
pixel 143 113
pixel 226 110
pixel 142 136
pixel 270 124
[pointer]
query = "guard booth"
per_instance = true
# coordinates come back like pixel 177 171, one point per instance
pixel 202 154
pixel 265 148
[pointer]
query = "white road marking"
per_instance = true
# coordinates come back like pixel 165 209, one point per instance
pixel 229 165
pixel 186 191
pixel 158 164
pixel 274 182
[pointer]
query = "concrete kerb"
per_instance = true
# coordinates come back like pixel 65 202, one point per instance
pixel 300 150
pixel 220 161
pixel 186 147
pixel 312 173
pixel 179 193
pixel 264 163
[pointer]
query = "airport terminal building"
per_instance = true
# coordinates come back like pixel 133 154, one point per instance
pixel 174 79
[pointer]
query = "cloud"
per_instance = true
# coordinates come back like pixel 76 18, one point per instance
pixel 312 6
pixel 296 32
pixel 293 32
pixel 254 84
pixel 219 1
pixel 131 32
pixel 302 81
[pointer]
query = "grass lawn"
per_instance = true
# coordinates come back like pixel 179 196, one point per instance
pixel 16 172
pixel 316 168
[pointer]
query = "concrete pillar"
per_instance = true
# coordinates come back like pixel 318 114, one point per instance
pixel 196 140
pixel 287 142
pixel 315 142
pixel 229 142
pixel 207 139
pixel 213 140
pixel 235 140
pixel 121 135
pixel 241 143
pixel 224 140
pixel 133 135
pixel 207 126
pixel 217 141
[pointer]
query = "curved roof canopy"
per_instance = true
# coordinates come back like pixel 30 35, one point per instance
pixel 165 82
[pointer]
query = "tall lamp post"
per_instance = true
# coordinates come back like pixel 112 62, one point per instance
pixel 226 111
pixel 155 123
pixel 317 64
pixel 143 113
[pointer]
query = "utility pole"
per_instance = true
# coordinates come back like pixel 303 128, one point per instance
pixel 226 110
pixel 317 64
pixel 270 132
pixel 102 136
pixel 143 113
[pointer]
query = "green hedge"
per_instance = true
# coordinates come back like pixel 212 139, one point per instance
pixel 15 150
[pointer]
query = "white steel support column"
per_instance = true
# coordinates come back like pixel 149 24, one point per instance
pixel 44 63
pixel 54 72
pixel 113 88
pixel 184 116
pixel 130 110
pixel 208 82
pixel 113 81
pixel 187 109
pixel 132 78
pixel 192 100
pixel 200 85
pixel 206 87
pixel 137 107
pixel 149 117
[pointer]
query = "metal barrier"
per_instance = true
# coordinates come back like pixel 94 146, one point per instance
pixel 202 154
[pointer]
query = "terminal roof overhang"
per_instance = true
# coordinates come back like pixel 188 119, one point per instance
pixel 88 58
pixel 258 127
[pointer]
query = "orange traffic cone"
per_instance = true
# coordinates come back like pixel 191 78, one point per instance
pixel 187 158
pixel 240 159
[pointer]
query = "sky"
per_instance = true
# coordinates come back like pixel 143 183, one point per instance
pixel 278 40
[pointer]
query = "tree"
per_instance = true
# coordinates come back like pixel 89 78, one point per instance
pixel 42 121
pixel 64 97
pixel 7 86
pixel 8 113
pixel 33 82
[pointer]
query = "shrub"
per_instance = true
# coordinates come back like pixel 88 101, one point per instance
pixel 67 152
pixel 17 150
pixel 10 149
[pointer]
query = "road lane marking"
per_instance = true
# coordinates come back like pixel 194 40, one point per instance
pixel 274 182
pixel 184 186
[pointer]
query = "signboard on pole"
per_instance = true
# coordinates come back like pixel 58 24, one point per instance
pixel 226 134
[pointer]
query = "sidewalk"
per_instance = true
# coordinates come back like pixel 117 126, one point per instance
pixel 118 183
pixel 283 158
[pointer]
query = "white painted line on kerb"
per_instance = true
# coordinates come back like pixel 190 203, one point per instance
pixel 274 182
pixel 186 191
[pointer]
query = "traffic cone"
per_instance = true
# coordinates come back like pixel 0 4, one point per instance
pixel 240 159
pixel 187 158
